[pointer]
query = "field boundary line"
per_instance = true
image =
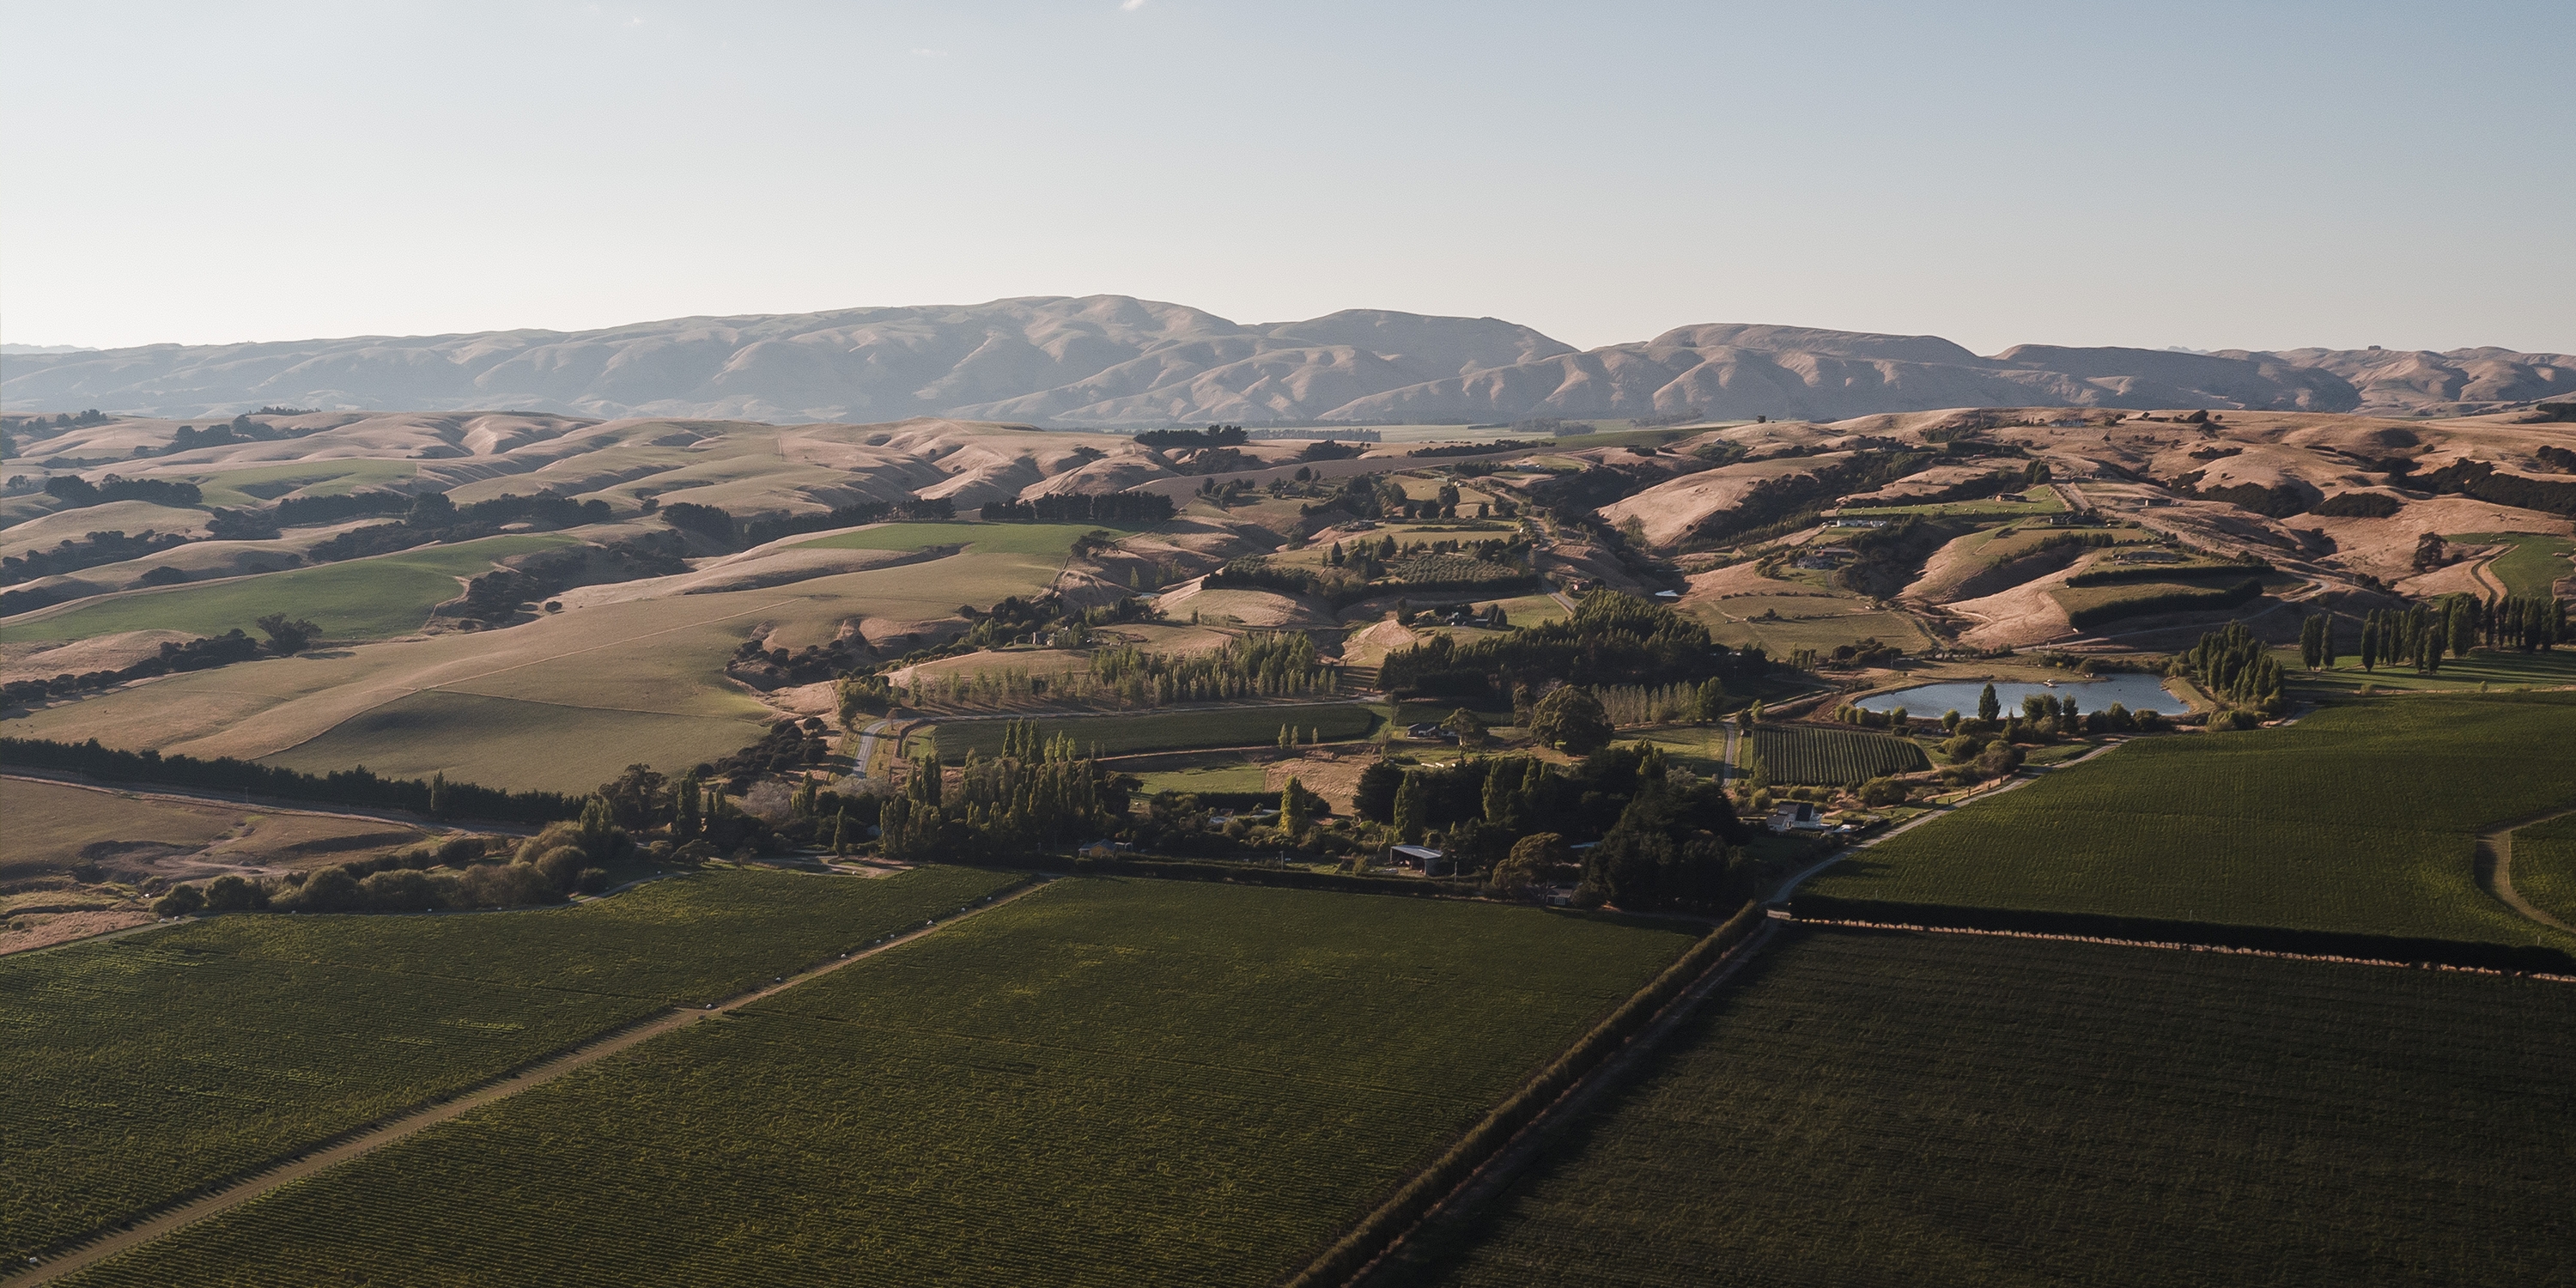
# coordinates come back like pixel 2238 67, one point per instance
pixel 2176 945
pixel 1496 1173
pixel 2495 865
pixel 320 1156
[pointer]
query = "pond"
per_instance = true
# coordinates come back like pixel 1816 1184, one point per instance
pixel 2136 692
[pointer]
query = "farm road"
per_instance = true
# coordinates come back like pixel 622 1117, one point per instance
pixel 327 1155
pixel 2495 865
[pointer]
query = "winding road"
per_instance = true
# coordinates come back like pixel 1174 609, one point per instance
pixel 2495 865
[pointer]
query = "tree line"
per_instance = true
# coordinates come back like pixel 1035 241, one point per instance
pixel 1143 508
pixel 434 797
pixel 1609 639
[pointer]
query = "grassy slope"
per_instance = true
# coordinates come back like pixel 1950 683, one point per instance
pixel 2544 867
pixel 142 1067
pixel 359 599
pixel 524 745
pixel 2481 669
pixel 2359 818
pixel 1112 1083
pixel 1873 1109
pixel 1165 730
pixel 306 478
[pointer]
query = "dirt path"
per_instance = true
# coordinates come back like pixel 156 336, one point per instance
pixel 328 1154
pixel 2495 865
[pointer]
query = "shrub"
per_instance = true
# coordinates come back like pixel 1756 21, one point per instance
pixel 181 901
pixel 229 893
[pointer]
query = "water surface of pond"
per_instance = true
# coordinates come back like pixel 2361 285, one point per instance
pixel 2136 692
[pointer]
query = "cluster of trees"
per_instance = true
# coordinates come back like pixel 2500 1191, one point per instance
pixel 1665 841
pixel 241 429
pixel 2317 641
pixel 495 596
pixel 1083 507
pixel 75 492
pixel 1609 639
pixel 2479 479
pixel 2234 666
pixel 435 797
pixel 458 873
pixel 1212 436
pixel 90 551
pixel 1037 793
pixel 2525 622
pixel 431 516
pixel 192 655
pixel 1259 664
pixel 1639 704
pixel 2357 505
pixel 1370 558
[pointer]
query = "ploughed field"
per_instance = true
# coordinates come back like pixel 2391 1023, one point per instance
pixel 1884 1107
pixel 2361 818
pixel 1105 1082
pixel 142 1068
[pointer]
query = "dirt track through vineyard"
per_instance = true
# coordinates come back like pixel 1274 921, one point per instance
pixel 328 1154
pixel 2495 865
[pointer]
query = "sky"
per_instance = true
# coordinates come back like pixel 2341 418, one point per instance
pixel 2212 176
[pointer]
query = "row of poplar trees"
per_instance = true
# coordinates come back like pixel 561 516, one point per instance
pixel 1039 792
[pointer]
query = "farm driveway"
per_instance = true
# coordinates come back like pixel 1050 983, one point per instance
pixel 367 1140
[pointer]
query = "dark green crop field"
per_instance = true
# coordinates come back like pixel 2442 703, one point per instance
pixel 1107 1082
pixel 141 1068
pixel 2362 817
pixel 1802 754
pixel 2544 867
pixel 1883 1108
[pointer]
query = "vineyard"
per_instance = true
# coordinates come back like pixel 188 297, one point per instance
pixel 1799 754
pixel 1245 726
pixel 2544 867
pixel 1104 1083
pixel 2362 818
pixel 142 1067
pixel 1882 1108
pixel 1456 570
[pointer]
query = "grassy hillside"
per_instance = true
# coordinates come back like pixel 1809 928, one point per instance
pixel 1871 1109
pixel 2361 818
pixel 360 599
pixel 529 746
pixel 1106 1083
pixel 1054 539
pixel 143 1067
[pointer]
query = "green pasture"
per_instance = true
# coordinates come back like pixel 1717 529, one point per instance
pixel 1124 1083
pixel 358 599
pixel 524 745
pixel 2482 670
pixel 2362 817
pixel 304 478
pixel 2544 867
pixel 1234 776
pixel 1882 1108
pixel 144 1067
pixel 2533 566
pixel 1822 633
pixel 1181 730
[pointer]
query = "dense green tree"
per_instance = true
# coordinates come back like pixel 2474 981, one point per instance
pixel 1988 705
pixel 1374 797
pixel 1412 810
pixel 1572 721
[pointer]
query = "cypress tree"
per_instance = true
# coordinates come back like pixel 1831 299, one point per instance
pixel 1989 706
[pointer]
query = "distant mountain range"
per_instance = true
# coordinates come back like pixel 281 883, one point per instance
pixel 1115 361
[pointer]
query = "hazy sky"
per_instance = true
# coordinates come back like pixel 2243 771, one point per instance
pixel 2259 175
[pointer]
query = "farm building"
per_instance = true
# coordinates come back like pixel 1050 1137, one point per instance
pixel 1796 816
pixel 1433 862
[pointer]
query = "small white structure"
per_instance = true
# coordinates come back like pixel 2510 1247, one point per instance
pixel 1796 816
pixel 1433 863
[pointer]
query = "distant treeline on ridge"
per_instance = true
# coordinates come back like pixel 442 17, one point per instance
pixel 359 786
